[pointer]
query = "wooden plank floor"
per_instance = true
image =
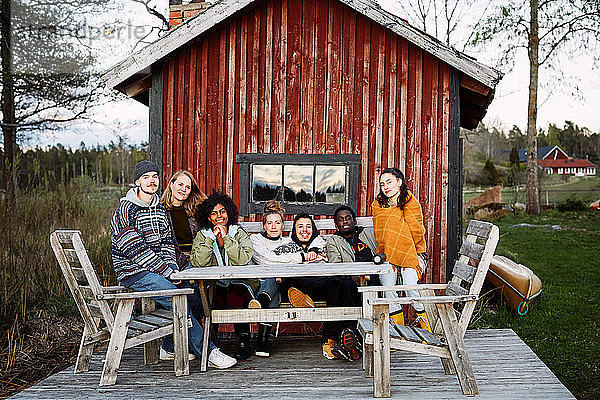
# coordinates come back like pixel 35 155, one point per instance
pixel 505 368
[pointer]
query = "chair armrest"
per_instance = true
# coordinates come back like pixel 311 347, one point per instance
pixel 429 299
pixel 438 286
pixel 109 289
pixel 139 295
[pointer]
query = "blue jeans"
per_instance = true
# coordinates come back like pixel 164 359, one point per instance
pixel 409 277
pixel 153 281
pixel 271 288
pixel 390 280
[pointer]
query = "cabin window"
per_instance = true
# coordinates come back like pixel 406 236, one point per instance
pixel 313 183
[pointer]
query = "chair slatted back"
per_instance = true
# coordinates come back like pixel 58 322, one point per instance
pixel 472 266
pixel 322 224
pixel 81 279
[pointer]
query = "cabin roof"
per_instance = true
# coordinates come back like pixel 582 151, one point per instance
pixel 542 152
pixel 131 75
pixel 567 163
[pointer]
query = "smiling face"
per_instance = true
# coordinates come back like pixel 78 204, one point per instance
pixel 304 229
pixel 148 183
pixel 181 189
pixel 390 185
pixel 344 222
pixel 273 225
pixel 218 215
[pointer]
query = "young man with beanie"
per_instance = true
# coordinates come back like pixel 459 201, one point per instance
pixel 143 254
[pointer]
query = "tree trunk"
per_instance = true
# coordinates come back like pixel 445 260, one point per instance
pixel 9 130
pixel 533 198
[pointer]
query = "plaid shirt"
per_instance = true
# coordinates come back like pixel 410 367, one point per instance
pixel 400 234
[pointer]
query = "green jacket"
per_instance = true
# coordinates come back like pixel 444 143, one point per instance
pixel 239 250
pixel 339 250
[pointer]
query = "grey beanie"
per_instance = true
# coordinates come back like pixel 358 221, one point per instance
pixel 143 167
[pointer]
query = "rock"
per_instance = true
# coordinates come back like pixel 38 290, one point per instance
pixel 519 207
pixel 492 195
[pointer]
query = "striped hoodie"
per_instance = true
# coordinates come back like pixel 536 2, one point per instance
pixel 141 239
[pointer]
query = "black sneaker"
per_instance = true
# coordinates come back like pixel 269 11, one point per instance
pixel 342 353
pixel 349 340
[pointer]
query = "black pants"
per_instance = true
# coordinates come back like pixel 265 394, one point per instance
pixel 333 290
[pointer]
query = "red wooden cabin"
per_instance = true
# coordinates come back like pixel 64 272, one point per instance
pixel 316 83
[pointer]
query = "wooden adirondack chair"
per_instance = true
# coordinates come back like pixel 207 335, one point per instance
pixel 459 299
pixel 119 330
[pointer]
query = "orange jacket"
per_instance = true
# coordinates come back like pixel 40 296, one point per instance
pixel 400 234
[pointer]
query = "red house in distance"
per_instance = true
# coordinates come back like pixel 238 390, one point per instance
pixel 554 160
pixel 307 101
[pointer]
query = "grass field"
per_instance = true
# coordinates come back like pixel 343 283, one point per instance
pixel 554 189
pixel 563 324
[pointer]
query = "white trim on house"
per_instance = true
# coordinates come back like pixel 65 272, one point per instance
pixel 550 152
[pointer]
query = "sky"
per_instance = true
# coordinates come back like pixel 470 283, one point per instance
pixel 577 100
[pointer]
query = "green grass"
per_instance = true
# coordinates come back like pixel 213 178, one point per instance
pixel 563 324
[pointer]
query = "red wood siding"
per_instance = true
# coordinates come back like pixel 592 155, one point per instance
pixel 312 76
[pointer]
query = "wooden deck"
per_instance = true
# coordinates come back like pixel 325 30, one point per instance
pixel 505 368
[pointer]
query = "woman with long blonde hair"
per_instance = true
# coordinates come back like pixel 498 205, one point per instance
pixel 181 198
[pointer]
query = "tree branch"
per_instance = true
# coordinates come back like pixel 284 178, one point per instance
pixel 154 12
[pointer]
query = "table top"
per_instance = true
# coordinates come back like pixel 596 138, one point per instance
pixel 283 270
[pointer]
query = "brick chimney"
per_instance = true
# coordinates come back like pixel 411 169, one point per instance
pixel 179 11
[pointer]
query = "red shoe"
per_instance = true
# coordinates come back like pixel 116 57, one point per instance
pixel 349 340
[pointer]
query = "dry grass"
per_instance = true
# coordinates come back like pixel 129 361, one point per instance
pixel 30 277
pixel 34 343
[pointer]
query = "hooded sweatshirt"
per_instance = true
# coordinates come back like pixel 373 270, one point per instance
pixel 141 239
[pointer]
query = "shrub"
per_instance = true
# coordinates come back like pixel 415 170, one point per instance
pixel 490 173
pixel 572 204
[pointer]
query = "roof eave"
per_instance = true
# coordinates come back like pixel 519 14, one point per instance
pixel 219 12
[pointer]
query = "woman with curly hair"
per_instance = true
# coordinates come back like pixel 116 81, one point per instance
pixel 222 242
pixel 400 235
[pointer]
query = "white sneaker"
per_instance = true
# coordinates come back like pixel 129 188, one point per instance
pixel 218 359
pixel 168 356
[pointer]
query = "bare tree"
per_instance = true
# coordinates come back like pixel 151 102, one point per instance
pixel 440 18
pixel 48 78
pixel 52 53
pixel 547 29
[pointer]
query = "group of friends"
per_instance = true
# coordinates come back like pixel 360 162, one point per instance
pixel 152 237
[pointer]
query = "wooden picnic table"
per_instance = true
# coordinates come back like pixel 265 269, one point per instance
pixel 204 275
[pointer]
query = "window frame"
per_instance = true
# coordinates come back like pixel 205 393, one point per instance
pixel 246 160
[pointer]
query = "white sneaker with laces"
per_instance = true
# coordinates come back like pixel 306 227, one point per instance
pixel 220 360
pixel 168 356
